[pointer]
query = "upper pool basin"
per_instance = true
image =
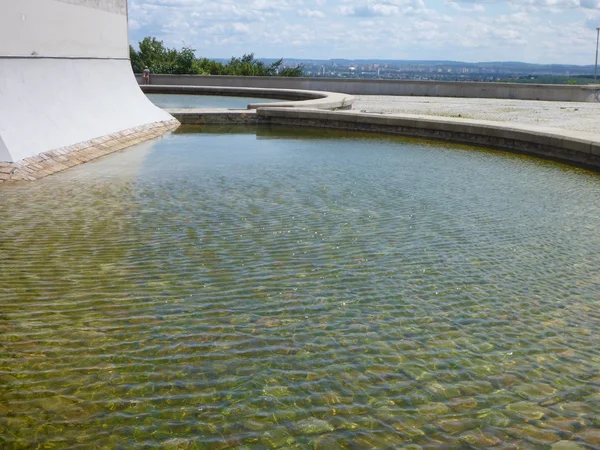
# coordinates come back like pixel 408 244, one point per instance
pixel 174 101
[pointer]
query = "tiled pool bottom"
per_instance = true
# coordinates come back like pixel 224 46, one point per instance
pixel 301 289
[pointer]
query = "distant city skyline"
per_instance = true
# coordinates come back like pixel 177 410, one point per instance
pixel 535 31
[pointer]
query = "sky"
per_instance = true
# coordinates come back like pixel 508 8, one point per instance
pixel 534 31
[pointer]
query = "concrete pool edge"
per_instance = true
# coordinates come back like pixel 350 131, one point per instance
pixel 572 147
pixel 58 160
pixel 295 98
pixel 578 148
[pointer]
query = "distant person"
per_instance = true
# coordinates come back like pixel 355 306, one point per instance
pixel 146 76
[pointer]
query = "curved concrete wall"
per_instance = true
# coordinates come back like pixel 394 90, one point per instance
pixel 53 103
pixel 65 76
pixel 297 98
pixel 567 146
pixel 515 91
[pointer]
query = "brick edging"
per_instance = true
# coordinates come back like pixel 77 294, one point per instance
pixel 54 161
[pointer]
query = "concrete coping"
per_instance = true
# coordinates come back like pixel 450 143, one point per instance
pixel 426 120
pixel 489 125
pixel 296 98
pixel 567 140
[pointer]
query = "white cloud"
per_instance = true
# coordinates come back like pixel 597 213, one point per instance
pixel 554 31
pixel 475 7
pixel 370 8
pixel 313 14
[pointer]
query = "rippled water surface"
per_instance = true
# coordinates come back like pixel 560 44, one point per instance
pixel 296 289
pixel 205 101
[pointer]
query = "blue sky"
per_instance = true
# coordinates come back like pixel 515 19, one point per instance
pixel 537 31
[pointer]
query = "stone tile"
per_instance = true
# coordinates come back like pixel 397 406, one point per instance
pixel 62 159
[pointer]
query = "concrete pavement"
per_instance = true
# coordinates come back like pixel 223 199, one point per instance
pixel 558 115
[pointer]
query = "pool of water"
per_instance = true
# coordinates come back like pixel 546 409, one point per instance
pixel 225 288
pixel 205 101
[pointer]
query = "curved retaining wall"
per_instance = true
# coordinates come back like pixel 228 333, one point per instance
pixel 564 93
pixel 68 83
pixel 572 147
pixel 297 98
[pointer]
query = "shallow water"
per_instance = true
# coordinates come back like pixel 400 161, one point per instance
pixel 205 101
pixel 301 289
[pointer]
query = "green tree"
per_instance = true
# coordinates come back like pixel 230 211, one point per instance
pixel 247 65
pixel 207 66
pixel 292 71
pixel 153 54
pixel 136 62
pixel 185 61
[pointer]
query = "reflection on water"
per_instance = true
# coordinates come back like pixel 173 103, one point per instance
pixel 302 289
pixel 172 101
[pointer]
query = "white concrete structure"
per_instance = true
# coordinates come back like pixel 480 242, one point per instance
pixel 65 75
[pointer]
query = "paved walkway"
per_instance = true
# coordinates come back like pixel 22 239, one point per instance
pixel 562 115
